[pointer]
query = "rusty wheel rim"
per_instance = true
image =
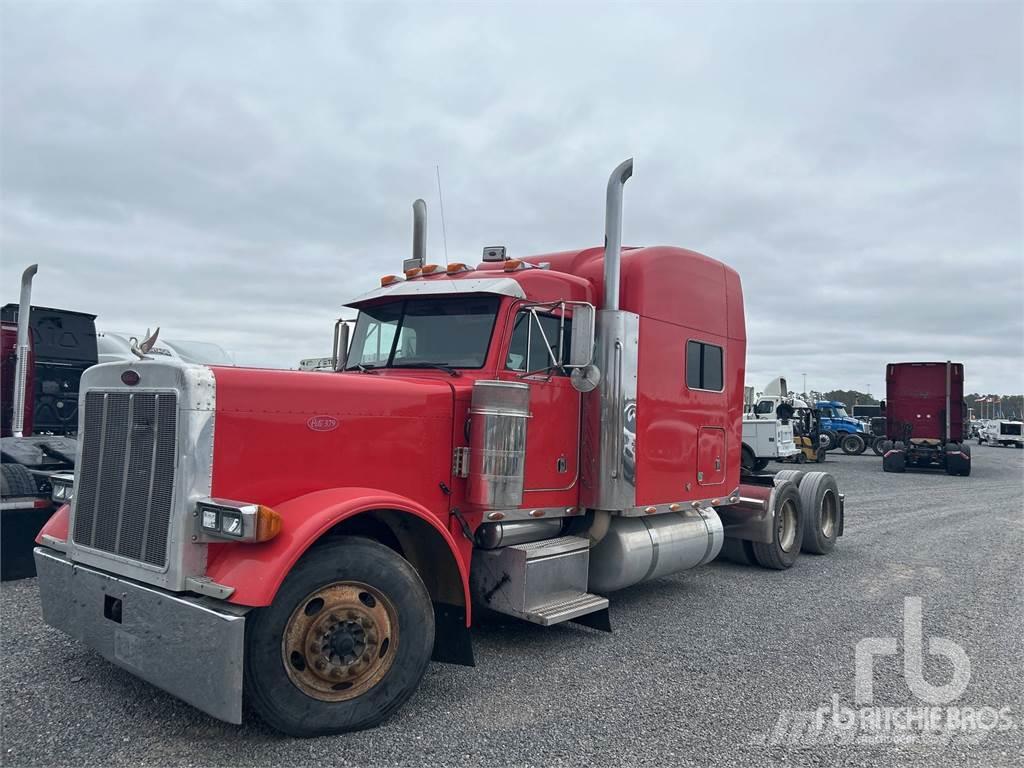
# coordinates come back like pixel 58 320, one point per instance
pixel 340 641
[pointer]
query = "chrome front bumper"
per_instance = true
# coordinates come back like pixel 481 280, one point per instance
pixel 192 647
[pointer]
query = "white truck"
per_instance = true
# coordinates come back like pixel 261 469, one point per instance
pixel 1001 432
pixel 766 439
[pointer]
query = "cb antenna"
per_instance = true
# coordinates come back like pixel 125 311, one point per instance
pixel 440 199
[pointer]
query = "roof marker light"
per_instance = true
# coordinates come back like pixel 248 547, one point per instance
pixel 389 279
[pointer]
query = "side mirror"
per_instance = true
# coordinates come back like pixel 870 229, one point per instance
pixel 339 355
pixel 581 350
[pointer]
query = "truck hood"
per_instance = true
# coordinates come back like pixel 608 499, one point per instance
pixel 281 434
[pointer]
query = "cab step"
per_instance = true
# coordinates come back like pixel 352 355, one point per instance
pixel 544 582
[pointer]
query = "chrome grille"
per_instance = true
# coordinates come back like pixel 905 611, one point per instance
pixel 125 478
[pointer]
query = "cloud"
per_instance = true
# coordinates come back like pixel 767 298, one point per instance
pixel 235 172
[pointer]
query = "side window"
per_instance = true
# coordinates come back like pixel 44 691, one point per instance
pixel 528 352
pixel 763 407
pixel 704 366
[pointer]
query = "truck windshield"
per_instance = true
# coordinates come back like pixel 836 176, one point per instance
pixel 841 412
pixel 443 331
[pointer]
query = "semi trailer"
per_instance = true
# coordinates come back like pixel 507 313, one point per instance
pixel 526 435
pixel 925 415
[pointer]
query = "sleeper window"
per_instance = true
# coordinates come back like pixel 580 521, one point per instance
pixel 704 366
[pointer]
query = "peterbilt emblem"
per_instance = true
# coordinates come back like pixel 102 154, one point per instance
pixel 322 423
pixel 141 350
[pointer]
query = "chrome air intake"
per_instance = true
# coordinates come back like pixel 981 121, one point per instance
pixel 497 443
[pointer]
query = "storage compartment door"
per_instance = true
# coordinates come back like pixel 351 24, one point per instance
pixel 710 456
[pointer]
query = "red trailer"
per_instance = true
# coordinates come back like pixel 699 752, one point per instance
pixel 925 418
pixel 528 435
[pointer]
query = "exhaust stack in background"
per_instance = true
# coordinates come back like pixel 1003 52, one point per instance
pixel 419 236
pixel 21 368
pixel 613 232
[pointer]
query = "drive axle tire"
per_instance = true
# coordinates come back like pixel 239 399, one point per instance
pixel 344 644
pixel 16 480
pixel 738 551
pixel 894 461
pixel 791 475
pixel 828 440
pixel 787 530
pixel 819 501
pixel 852 444
pixel 959 465
pixel 878 446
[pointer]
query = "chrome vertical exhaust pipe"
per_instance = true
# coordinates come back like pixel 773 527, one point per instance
pixel 613 232
pixel 419 232
pixel 21 367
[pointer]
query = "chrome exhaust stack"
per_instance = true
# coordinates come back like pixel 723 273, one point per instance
pixel 613 232
pixel 609 442
pixel 419 236
pixel 21 368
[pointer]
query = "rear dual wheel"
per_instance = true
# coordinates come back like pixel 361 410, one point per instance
pixel 344 644
pixel 787 529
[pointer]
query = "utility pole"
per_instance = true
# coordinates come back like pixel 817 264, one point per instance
pixel 805 383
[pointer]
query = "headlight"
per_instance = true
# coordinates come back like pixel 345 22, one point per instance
pixel 223 519
pixel 231 523
pixel 62 489
pixel 210 519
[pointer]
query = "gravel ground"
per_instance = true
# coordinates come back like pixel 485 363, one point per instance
pixel 702 667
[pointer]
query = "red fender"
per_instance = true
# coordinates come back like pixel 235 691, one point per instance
pixel 57 525
pixel 257 570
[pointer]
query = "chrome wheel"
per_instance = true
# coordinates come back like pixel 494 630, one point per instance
pixel 340 641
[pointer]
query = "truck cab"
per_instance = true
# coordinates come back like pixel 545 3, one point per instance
pixel 842 429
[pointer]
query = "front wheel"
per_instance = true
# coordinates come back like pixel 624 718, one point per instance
pixel 852 444
pixel 344 644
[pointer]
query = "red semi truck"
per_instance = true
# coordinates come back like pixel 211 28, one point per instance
pixel 526 435
pixel 925 418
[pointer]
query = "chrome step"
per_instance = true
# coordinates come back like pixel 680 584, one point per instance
pixel 541 581
pixel 566 608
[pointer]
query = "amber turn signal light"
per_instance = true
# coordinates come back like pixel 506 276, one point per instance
pixel 268 523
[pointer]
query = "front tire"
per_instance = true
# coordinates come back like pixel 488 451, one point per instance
pixel 344 644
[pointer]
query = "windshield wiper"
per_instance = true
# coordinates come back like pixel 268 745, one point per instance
pixel 362 368
pixel 440 366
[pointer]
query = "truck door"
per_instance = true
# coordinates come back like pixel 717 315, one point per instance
pixel 552 442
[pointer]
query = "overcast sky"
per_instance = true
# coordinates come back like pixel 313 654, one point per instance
pixel 235 172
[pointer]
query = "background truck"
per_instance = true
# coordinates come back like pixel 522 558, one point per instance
pixel 806 426
pixel 840 430
pixel 526 435
pixel 766 440
pixel 926 418
pixel 43 355
pixel 1001 432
